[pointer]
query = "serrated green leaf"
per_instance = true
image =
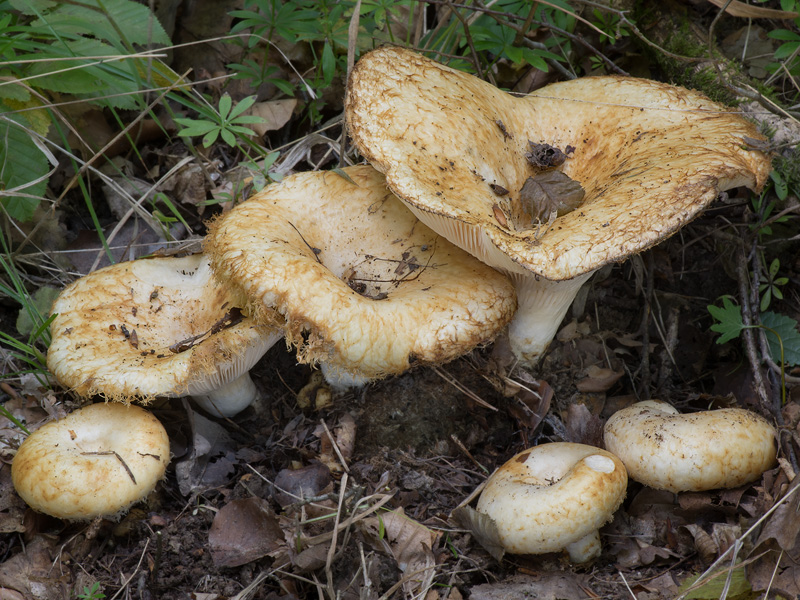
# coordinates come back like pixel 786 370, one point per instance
pixel 107 20
pixel 32 7
pixel 21 162
pixel 729 320
pixel 786 328
pixel 9 89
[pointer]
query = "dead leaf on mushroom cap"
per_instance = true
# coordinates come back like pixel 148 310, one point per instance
pixel 650 157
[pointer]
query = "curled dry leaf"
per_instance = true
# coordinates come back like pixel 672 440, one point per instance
pixel 244 530
pixel 411 545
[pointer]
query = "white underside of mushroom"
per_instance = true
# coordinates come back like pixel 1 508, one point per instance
pixel 541 303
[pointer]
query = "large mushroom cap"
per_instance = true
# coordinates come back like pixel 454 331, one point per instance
pixel 649 156
pixel 152 327
pixel 554 496
pixel 96 461
pixel 551 186
pixel 667 450
pixel 363 286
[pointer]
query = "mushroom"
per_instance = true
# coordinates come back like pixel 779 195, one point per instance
pixel 554 497
pixel 95 462
pixel 156 327
pixel 551 186
pixel 360 284
pixel 667 450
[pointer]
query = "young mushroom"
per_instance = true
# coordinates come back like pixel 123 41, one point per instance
pixel 360 284
pixel 156 327
pixel 551 186
pixel 95 462
pixel 667 450
pixel 554 497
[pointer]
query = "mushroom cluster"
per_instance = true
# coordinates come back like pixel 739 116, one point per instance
pixel 551 186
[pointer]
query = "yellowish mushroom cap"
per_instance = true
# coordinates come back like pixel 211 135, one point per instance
pixel 554 497
pixel 155 327
pixel 96 461
pixel 707 450
pixel 361 284
pixel 648 156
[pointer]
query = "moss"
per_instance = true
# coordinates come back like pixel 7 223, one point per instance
pixel 671 27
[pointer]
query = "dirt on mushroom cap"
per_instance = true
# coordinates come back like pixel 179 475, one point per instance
pixel 132 331
pixel 362 284
pixel 96 461
pixel 649 156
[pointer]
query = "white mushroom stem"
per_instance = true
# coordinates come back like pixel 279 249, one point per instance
pixel 542 305
pixel 340 380
pixel 230 399
pixel 554 497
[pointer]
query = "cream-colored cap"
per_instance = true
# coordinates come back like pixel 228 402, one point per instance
pixel 554 497
pixel 361 284
pixel 94 462
pixel 648 156
pixel 706 450
pixel 155 327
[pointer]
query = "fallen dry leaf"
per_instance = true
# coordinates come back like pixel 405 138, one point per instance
pixel 545 585
pixel 411 545
pixel 276 113
pixel 598 379
pixel 243 531
pixel 740 9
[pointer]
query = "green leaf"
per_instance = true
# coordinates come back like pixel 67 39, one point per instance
pixel 21 164
pixel 328 63
pixel 225 106
pixel 729 320
pixel 107 20
pixel 210 138
pixel 242 106
pixel 192 128
pixel 783 34
pixel 781 187
pixel 712 589
pixel 786 328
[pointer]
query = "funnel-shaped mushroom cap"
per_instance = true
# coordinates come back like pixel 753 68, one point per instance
pixel 647 156
pixel 553 497
pixel 96 461
pixel 154 327
pixel 363 286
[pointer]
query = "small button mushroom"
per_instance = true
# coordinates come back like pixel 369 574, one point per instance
pixel 667 450
pixel 554 497
pixel 95 462
pixel 634 159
